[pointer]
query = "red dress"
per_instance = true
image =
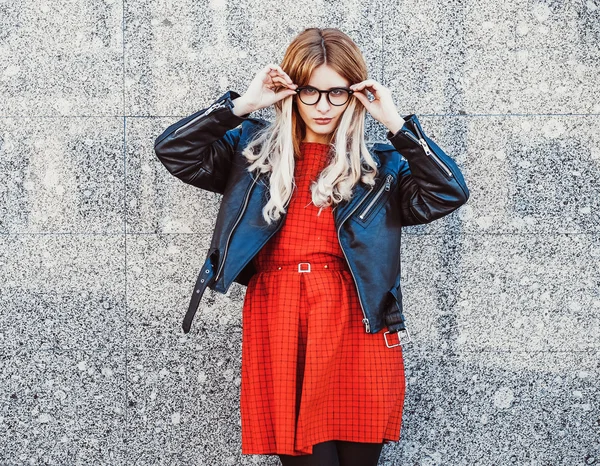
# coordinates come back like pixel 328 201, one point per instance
pixel 310 372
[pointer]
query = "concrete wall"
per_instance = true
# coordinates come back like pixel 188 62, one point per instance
pixel 100 245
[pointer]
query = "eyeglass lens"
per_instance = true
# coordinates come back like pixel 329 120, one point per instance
pixel 310 96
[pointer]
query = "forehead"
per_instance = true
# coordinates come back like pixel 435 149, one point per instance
pixel 325 77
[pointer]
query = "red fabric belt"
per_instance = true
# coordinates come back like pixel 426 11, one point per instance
pixel 306 267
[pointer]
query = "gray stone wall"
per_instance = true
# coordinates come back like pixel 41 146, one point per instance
pixel 100 245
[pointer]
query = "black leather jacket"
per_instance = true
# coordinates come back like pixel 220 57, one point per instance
pixel 204 150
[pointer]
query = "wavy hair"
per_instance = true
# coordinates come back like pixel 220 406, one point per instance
pixel 278 143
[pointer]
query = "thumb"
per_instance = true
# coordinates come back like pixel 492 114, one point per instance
pixel 363 98
pixel 285 93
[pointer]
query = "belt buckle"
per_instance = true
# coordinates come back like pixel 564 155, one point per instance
pixel 300 267
pixel 407 340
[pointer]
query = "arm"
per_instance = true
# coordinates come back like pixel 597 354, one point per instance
pixel 198 149
pixel 430 183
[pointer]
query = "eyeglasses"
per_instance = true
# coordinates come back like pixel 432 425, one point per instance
pixel 337 96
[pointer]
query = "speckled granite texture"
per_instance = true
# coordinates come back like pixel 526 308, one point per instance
pixel 100 245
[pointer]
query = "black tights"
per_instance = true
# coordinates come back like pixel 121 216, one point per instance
pixel 337 453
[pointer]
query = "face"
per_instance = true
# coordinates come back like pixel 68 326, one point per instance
pixel 323 78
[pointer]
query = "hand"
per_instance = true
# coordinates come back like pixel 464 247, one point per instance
pixel 260 93
pixel 382 107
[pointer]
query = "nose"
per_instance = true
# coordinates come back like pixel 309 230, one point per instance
pixel 323 103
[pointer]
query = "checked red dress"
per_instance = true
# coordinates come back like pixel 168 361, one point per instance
pixel 310 372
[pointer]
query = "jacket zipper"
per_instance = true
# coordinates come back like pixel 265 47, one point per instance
pixel 237 220
pixel 281 222
pixel 210 109
pixel 247 196
pixel 384 187
pixel 365 320
pixel 428 151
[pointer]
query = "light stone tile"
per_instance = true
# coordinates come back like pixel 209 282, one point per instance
pixel 525 174
pixel 61 58
pixel 502 292
pixel 532 174
pixel 62 407
pixel 61 175
pixel 181 56
pixel 502 408
pixel 424 54
pixel 158 202
pixel 161 272
pixel 487 57
pixel 183 405
pixel 62 291
pixel 503 366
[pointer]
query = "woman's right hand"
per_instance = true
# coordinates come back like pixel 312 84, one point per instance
pixel 260 92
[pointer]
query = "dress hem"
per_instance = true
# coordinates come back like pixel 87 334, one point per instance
pixel 384 440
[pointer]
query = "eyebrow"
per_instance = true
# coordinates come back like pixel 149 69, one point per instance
pixel 334 87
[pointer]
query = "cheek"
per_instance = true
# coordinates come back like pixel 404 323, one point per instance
pixel 303 115
pixel 340 115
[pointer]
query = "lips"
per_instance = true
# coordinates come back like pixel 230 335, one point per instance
pixel 323 121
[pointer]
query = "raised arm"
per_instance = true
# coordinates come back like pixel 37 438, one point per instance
pixel 430 183
pixel 198 149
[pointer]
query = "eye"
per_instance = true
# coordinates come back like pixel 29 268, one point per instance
pixel 338 92
pixel 310 90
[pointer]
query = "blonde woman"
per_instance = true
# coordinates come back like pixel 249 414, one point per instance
pixel 310 222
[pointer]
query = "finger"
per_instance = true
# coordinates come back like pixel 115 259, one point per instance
pixel 377 92
pixel 362 98
pixel 272 70
pixel 363 92
pixel 283 94
pixel 269 68
pixel 275 76
pixel 276 69
pixel 370 87
pixel 279 79
pixel 369 83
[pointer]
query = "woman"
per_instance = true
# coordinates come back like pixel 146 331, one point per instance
pixel 310 221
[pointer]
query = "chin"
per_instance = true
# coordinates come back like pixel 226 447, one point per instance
pixel 323 129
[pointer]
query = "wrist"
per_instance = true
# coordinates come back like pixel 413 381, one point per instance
pixel 395 124
pixel 241 107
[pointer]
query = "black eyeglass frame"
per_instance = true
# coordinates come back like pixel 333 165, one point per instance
pixel 349 91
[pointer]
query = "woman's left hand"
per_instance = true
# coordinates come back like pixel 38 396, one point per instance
pixel 382 107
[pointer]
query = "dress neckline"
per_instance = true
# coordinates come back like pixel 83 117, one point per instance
pixel 320 143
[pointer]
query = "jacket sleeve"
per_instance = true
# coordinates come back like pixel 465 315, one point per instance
pixel 199 148
pixel 430 183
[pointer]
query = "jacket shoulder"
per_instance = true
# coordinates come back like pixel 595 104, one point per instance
pixel 250 126
pixel 386 155
pixel 254 122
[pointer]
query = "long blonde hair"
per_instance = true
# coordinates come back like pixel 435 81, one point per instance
pixel 278 142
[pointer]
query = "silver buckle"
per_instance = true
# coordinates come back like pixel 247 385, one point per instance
pixel 407 340
pixel 300 267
